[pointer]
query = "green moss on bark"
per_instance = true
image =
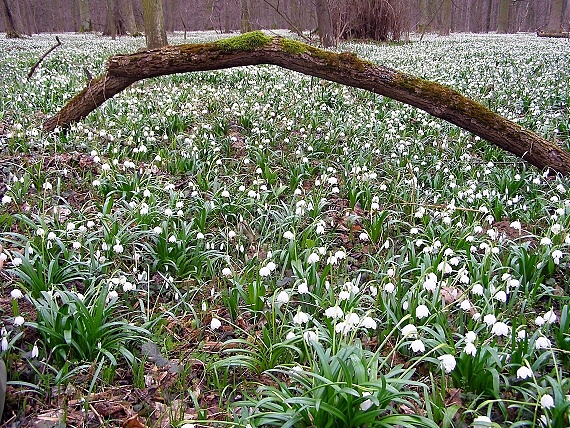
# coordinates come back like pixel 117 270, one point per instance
pixel 292 46
pixel 244 42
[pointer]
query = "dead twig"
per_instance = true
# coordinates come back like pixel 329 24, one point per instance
pixel 33 69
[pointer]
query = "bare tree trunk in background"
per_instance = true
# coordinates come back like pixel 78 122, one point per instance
pixel 424 6
pixel 128 15
pixel 111 25
pixel 174 14
pixel 245 21
pixel 11 32
pixel 227 17
pixel 488 16
pixel 26 17
pixel 324 23
pixel 446 18
pixel 554 24
pixel 154 29
pixel 503 24
pixel 85 17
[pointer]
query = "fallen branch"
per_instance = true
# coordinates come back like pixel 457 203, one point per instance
pixel 345 68
pixel 33 69
pixel 556 34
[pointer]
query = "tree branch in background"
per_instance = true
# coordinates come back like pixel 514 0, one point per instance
pixel 33 69
pixel 344 68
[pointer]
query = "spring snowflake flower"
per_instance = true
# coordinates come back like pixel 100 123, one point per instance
pixel 334 312
pixel 521 334
pixel 4 344
pixel 501 296
pixel 470 336
pixel 410 331
pixel 524 372
pixel 6 199
pixel 16 294
pixel 118 248
pixel 430 283
pixel 301 318
pixel 226 271
pixel 489 319
pixel 545 241
pixel 282 297
pixel 368 322
pixel 313 258
pixel 40 231
pixel 556 256
pixel 470 349
pixel 516 225
pixel 303 288
pixel 364 237
pixel 542 343
pixel 310 336
pixel 366 404
pixel 289 235
pixel 35 351
pixel 422 311
pixel 546 401
pixel 264 271
pixel 215 324
pixel 481 421
pixel 539 321
pixel 465 305
pixel 417 346
pixel 18 321
pixel 549 317
pixel 389 288
pixel 444 267
pixel 477 289
pixel 500 329
pixel 556 229
pixel 448 362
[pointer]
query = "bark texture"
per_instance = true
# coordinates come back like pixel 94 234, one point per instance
pixel 344 68
pixel 154 29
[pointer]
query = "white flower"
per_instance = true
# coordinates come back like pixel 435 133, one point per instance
pixel 470 336
pixel 118 248
pixel 16 294
pixel 35 351
pixel 430 283
pixel 470 349
pixel 444 267
pixel 489 319
pixel 556 256
pixel 40 231
pixel 539 321
pixel 4 344
pixel 477 289
pixel 199 235
pixel 226 271
pixel 310 336
pixel 389 288
pixel 546 401
pixel 368 322
pixel 282 297
pixel 448 362
pixel 313 258
pixel 270 265
pixel 542 343
pixel 301 318
pixel 215 324
pixel 303 288
pixel 524 372
pixel 545 241
pixel 500 329
pixel 465 305
pixel 410 330
pixel 18 321
pixel 334 312
pixel 417 346
pixel 289 235
pixel 422 311
pixel 364 237
pixel 264 271
pixel 521 334
pixel 481 421
pixel 344 295
pixel 501 296
pixel 6 199
pixel 516 225
pixel 549 317
pixel 366 404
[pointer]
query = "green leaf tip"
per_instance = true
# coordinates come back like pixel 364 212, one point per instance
pixel 244 42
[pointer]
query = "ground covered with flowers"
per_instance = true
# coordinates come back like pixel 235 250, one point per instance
pixel 254 247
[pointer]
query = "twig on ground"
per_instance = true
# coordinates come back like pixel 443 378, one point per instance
pixel 33 69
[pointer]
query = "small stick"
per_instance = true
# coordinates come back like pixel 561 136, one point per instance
pixel 43 57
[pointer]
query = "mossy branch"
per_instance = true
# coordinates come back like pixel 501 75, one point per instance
pixel 344 68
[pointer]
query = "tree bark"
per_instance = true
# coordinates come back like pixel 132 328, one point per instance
pixel 245 21
pixel 84 16
pixel 555 17
pixel 154 29
pixel 324 22
pixel 128 14
pixel 11 32
pixel 503 20
pixel 446 18
pixel 345 68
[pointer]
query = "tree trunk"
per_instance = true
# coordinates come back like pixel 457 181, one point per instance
pixel 11 32
pixel 345 68
pixel 85 17
pixel 154 29
pixel 555 17
pixel 324 22
pixel 446 18
pixel 503 24
pixel 111 25
pixel 245 22
pixel 128 15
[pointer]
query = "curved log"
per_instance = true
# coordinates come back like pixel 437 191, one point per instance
pixel 344 68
